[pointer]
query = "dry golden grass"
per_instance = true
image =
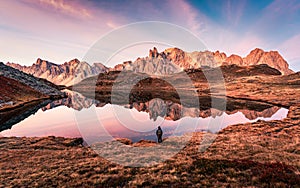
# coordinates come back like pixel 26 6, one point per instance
pixel 261 154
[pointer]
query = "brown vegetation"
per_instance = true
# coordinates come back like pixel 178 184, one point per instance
pixel 17 93
pixel 262 154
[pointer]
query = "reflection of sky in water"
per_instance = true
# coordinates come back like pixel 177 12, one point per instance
pixel 63 121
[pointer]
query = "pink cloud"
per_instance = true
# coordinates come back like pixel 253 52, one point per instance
pixel 182 12
pixel 47 28
pixel 67 7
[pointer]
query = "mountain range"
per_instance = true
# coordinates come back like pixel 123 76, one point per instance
pixel 170 61
pixel 66 74
pixel 174 60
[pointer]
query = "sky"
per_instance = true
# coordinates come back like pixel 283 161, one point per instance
pixel 61 30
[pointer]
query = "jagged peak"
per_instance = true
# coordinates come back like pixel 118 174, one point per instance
pixel 274 51
pixel 74 61
pixel 153 53
pixel 234 56
pixel 40 61
pixel 173 49
pixel 98 63
pixel 218 52
pixel 256 51
pixel 11 63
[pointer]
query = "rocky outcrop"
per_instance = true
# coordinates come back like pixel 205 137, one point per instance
pixel 220 57
pixel 18 88
pixel 272 58
pixel 39 85
pixel 187 60
pixel 65 74
pixel 178 57
pixel 153 53
pixel 155 64
pixel 234 59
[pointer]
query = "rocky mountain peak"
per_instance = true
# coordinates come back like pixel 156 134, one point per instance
pixel 14 65
pixel 178 57
pixel 256 51
pixel 73 62
pixel 271 58
pixel 43 65
pixel 171 52
pixel 39 61
pixel 61 74
pixel 234 59
pixel 254 56
pixel 153 53
pixel 155 64
pixel 219 56
pixel 150 53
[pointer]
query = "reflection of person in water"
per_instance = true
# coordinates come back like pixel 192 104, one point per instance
pixel 159 134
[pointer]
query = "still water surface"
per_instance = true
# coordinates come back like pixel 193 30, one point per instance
pixel 76 120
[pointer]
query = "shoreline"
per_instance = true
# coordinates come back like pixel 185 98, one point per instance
pixel 28 103
pixel 13 115
pixel 263 153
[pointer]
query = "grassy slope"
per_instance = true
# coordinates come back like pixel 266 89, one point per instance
pixel 12 90
pixel 261 154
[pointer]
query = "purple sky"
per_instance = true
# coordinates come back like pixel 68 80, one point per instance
pixel 61 30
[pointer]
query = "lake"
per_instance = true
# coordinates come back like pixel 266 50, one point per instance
pixel 78 116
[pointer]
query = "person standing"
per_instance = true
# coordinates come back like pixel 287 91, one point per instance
pixel 159 134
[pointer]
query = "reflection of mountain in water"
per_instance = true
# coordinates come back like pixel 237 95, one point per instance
pixel 155 108
pixel 173 111
pixel 160 108
pixel 12 117
pixel 74 100
pixel 252 114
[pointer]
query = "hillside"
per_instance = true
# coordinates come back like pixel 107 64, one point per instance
pixel 14 92
pixel 18 88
